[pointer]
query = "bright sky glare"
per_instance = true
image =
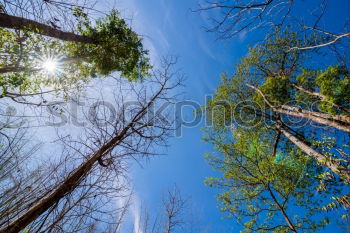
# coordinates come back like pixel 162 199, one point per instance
pixel 49 65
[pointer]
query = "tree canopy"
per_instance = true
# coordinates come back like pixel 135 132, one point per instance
pixel 275 127
pixel 97 49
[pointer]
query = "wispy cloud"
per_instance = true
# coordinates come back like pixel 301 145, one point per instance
pixel 135 211
pixel 130 200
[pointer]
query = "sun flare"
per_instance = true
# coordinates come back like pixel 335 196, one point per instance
pixel 50 66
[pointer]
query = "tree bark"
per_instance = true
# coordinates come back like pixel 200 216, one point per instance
pixel 334 166
pixel 67 186
pixel 313 116
pixel 73 180
pixel 14 22
pixel 341 118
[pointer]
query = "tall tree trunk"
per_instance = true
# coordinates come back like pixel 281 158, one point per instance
pixel 334 166
pixel 281 208
pixel 67 186
pixel 73 180
pixel 341 118
pixel 14 22
pixel 322 118
pixel 313 116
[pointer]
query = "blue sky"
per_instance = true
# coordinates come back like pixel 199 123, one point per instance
pixel 169 27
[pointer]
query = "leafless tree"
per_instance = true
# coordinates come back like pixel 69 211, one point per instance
pixel 234 17
pixel 238 16
pixel 88 176
pixel 19 184
pixel 175 206
pixel 173 216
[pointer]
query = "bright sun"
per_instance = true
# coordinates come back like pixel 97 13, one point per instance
pixel 50 66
